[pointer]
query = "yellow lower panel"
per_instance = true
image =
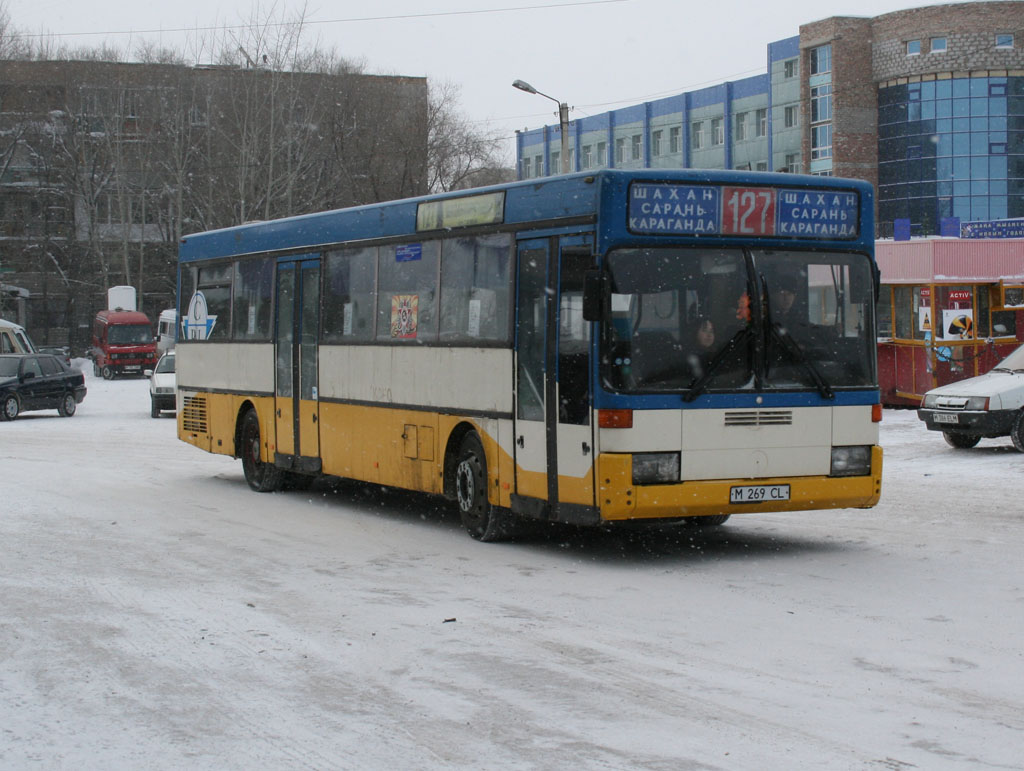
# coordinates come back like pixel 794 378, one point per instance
pixel 619 499
pixel 220 418
pixel 375 444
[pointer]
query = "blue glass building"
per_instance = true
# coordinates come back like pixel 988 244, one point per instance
pixel 925 103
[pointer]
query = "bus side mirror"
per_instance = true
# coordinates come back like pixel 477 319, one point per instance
pixel 595 292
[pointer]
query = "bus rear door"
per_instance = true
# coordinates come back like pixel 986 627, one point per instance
pixel 296 409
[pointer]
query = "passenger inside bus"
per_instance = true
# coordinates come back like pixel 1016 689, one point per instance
pixel 703 351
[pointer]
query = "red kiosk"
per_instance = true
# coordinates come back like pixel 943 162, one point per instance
pixel 949 309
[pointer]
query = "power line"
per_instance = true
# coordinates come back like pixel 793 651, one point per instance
pixel 352 20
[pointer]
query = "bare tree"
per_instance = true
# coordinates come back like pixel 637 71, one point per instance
pixel 455 149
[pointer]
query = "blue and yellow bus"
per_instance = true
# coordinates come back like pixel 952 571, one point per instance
pixel 588 348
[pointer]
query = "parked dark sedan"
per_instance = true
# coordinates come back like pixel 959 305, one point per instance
pixel 38 381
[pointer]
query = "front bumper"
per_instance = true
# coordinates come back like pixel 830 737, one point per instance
pixel 620 499
pixel 975 423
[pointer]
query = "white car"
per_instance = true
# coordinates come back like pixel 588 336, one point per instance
pixel 162 385
pixel 987 406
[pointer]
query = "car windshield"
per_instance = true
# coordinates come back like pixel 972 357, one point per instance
pixel 166 364
pixel 129 334
pixel 1014 361
pixel 692 320
pixel 9 367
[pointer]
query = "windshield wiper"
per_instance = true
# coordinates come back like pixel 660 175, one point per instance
pixel 790 346
pixel 701 383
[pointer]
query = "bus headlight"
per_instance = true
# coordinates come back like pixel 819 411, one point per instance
pixel 851 461
pixel 652 468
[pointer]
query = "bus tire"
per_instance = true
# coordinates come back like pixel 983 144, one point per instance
pixel 261 477
pixel 712 520
pixel 960 441
pixel 1017 433
pixel 482 521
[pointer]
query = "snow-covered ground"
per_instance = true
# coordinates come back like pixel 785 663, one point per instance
pixel 156 614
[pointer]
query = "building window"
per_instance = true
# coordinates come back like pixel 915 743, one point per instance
pixel 538 165
pixel 602 154
pixel 761 122
pixel 821 142
pixel 762 166
pixel 556 160
pixel 638 147
pixel 588 156
pixel 821 104
pixel 697 135
pixel 938 45
pixel 793 163
pixel 656 142
pixel 791 116
pixel 1004 40
pixel 717 131
pixel 675 139
pixel 526 168
pixel 913 47
pixel 620 150
pixel 790 68
pixel 740 130
pixel 821 59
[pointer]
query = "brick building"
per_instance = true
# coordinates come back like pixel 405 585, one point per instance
pixel 926 103
pixel 104 166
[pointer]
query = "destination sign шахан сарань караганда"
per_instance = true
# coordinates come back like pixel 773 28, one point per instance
pixel 666 209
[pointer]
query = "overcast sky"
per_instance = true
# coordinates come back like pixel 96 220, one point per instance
pixel 594 54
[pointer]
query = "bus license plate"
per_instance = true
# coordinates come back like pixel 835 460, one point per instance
pixel 946 417
pixel 758 493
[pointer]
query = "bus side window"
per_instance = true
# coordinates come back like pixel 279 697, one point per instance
pixel 407 296
pixel 349 287
pixel 475 281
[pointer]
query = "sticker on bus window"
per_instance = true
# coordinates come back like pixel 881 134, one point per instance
pixel 198 323
pixel 405 310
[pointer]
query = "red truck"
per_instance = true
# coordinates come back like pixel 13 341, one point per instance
pixel 122 344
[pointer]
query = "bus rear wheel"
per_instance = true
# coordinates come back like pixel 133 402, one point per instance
pixel 482 521
pixel 261 477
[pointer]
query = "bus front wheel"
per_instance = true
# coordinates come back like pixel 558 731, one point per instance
pixel 482 521
pixel 261 477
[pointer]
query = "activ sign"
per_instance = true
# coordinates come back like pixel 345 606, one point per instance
pixel 668 209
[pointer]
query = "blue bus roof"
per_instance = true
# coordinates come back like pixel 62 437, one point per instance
pixel 569 197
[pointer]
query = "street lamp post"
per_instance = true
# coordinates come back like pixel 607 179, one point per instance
pixel 563 119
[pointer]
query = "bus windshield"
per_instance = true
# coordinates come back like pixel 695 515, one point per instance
pixel 692 320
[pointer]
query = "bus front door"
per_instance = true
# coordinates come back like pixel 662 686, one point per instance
pixel 553 432
pixel 296 408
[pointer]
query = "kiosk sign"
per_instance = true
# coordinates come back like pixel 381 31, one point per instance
pixel 665 209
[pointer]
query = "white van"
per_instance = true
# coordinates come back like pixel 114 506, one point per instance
pixel 13 338
pixel 165 330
